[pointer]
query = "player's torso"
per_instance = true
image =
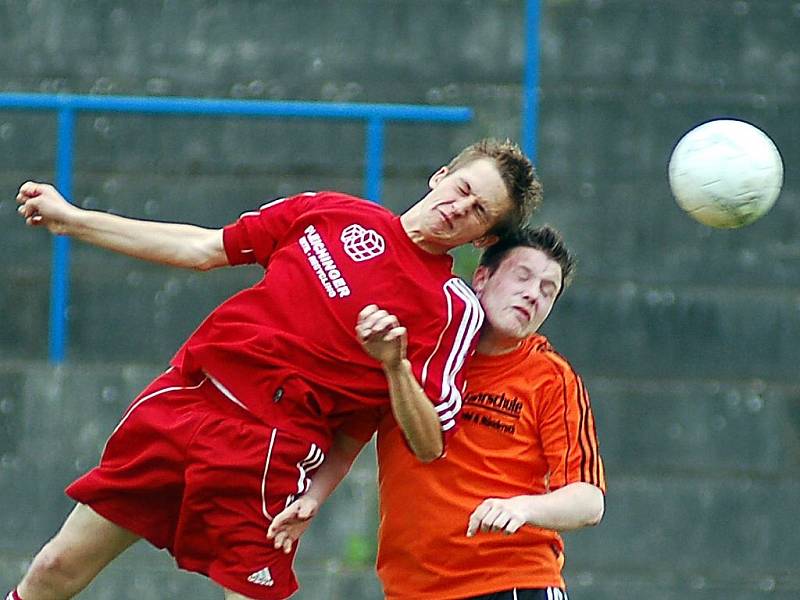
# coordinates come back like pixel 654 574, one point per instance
pixel 300 318
pixel 497 453
pixel 331 265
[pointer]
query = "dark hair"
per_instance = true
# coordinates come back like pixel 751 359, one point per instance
pixel 543 238
pixel 518 174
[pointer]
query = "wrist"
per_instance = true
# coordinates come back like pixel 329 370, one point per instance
pixel 528 506
pixel 396 367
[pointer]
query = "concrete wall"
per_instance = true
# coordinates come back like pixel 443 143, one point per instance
pixel 687 336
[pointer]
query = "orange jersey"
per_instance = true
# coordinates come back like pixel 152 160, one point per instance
pixel 527 428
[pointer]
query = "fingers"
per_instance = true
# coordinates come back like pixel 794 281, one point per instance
pixel 374 322
pixel 32 197
pixel 29 211
pixel 487 517
pixel 394 333
pixel 31 189
pixel 476 518
pixel 288 525
pixel 367 311
pixel 284 542
pixel 281 520
pixel 28 204
pixel 493 515
pixel 281 534
pixel 513 525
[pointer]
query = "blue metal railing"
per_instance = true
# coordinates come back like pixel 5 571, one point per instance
pixel 530 83
pixel 68 106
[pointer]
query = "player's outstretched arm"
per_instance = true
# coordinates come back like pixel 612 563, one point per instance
pixel 288 525
pixel 383 338
pixel 573 506
pixel 175 244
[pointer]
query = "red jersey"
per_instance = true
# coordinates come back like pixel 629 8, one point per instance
pixel 286 349
pixel 527 428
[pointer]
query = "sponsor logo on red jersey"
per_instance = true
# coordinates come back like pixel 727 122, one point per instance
pixel 362 244
pixel 320 259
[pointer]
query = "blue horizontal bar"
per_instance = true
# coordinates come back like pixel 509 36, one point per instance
pixel 245 108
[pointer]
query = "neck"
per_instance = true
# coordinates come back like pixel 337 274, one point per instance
pixel 493 343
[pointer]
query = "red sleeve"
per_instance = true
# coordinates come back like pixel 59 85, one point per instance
pixel 567 430
pixel 256 234
pixel 362 425
pixel 441 370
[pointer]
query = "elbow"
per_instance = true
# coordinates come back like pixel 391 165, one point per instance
pixel 203 266
pixel 205 261
pixel 427 458
pixel 208 251
pixel 429 453
pixel 598 510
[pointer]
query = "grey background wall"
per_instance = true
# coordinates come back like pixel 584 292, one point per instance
pixel 687 336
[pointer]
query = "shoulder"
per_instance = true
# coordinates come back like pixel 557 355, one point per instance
pixel 457 296
pixel 547 364
pixel 340 199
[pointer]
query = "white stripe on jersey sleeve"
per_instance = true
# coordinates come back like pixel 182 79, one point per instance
pixel 424 374
pixel 468 327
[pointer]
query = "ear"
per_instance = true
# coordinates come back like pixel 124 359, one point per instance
pixel 479 279
pixel 485 241
pixel 437 177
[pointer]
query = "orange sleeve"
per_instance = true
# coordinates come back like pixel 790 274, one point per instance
pixel 567 429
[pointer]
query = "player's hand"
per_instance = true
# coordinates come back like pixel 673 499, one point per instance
pixel 381 335
pixel 287 527
pixel 498 514
pixel 40 204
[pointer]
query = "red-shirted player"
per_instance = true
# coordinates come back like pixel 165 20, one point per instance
pixel 358 309
pixel 526 461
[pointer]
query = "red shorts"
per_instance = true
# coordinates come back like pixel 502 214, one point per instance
pixel 192 472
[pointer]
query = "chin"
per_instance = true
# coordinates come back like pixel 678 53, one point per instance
pixel 514 332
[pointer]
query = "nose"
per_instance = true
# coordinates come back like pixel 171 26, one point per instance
pixel 462 206
pixel 532 292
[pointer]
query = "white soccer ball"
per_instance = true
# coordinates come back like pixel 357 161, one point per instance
pixel 725 173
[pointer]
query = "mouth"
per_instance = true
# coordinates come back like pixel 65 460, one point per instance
pixel 523 313
pixel 445 218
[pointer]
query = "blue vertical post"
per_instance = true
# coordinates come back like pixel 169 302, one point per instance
pixel 373 175
pixel 59 275
pixel 530 86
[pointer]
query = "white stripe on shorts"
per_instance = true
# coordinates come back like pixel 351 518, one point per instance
pixel 554 593
pixel 226 392
pixel 139 402
pixel 312 460
pixel 264 479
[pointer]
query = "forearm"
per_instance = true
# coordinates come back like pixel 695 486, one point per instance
pixel 335 467
pixel 574 506
pixel 173 244
pixel 414 412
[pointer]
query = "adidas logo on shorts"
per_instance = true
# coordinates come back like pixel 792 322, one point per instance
pixel 262 577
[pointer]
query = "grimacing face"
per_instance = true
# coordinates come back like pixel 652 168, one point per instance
pixel 519 295
pixel 462 205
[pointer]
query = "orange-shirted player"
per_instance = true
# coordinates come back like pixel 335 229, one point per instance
pixel 483 521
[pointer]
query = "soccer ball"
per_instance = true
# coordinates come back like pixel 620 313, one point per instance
pixel 725 173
